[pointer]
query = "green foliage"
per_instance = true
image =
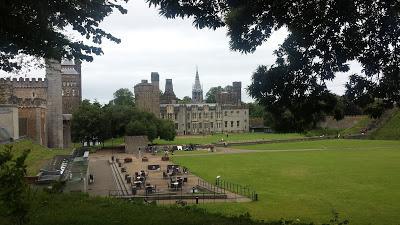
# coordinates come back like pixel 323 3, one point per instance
pixel 88 123
pixel 185 100
pixel 38 29
pixel 123 96
pixel 323 37
pixel 293 104
pixel 166 130
pixel 212 93
pixel 78 208
pixel 307 180
pixel 14 192
pixel 93 122
pixel 255 110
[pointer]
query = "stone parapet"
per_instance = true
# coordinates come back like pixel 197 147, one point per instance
pixel 25 82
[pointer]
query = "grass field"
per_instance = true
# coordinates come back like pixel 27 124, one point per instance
pixel 208 139
pixel 38 156
pixel 358 179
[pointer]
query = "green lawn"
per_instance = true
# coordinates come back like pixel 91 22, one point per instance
pixel 208 139
pixel 330 144
pixel 358 179
pixel 39 155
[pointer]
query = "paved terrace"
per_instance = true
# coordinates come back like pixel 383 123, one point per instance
pixel 109 180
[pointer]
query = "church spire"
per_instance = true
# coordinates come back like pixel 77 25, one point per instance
pixel 197 91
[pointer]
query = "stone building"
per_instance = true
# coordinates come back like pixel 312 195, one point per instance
pixel 45 105
pixel 206 118
pixel 147 95
pixel 231 95
pixel 226 116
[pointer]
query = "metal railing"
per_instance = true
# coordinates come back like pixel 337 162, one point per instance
pixel 237 188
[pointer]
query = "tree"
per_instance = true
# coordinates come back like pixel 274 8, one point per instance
pixel 294 105
pixel 185 100
pixel 166 130
pixel 123 96
pixel 38 28
pixel 324 36
pixel 87 123
pixel 14 191
pixel 255 110
pixel 212 94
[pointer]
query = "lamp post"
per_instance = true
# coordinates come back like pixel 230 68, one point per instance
pixel 217 180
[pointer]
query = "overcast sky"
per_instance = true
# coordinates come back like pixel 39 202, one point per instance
pixel 173 48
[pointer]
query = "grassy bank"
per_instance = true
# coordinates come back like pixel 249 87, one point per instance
pixel 39 155
pixel 390 130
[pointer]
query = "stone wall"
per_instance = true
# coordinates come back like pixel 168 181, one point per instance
pixel 135 143
pixel 32 123
pixel 9 120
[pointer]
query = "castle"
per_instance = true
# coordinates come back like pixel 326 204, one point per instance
pixel 44 106
pixel 227 115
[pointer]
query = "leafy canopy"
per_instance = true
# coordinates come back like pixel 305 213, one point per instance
pixel 324 36
pixel 39 28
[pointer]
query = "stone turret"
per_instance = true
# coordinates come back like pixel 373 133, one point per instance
pixel 197 90
pixel 147 95
pixel 54 104
pixel 168 96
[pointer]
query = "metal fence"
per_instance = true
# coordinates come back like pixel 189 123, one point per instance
pixel 237 188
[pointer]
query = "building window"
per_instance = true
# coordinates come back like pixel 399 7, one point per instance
pixel 176 126
pixel 205 115
pixel 176 116
pixel 199 115
pixel 188 126
pixel 73 92
pixel 237 112
pixel 200 126
pixel 62 92
pixel 63 84
pixel 194 116
pixel 226 124
pixel 237 123
pixel 212 125
pixel 226 113
pixel 231 123
pixel 33 94
pixel 211 115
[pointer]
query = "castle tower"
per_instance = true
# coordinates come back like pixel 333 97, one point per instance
pixel 147 95
pixel 71 85
pixel 54 104
pixel 197 90
pixel 237 89
pixel 168 96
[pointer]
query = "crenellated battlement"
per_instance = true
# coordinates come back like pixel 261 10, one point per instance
pixel 25 82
